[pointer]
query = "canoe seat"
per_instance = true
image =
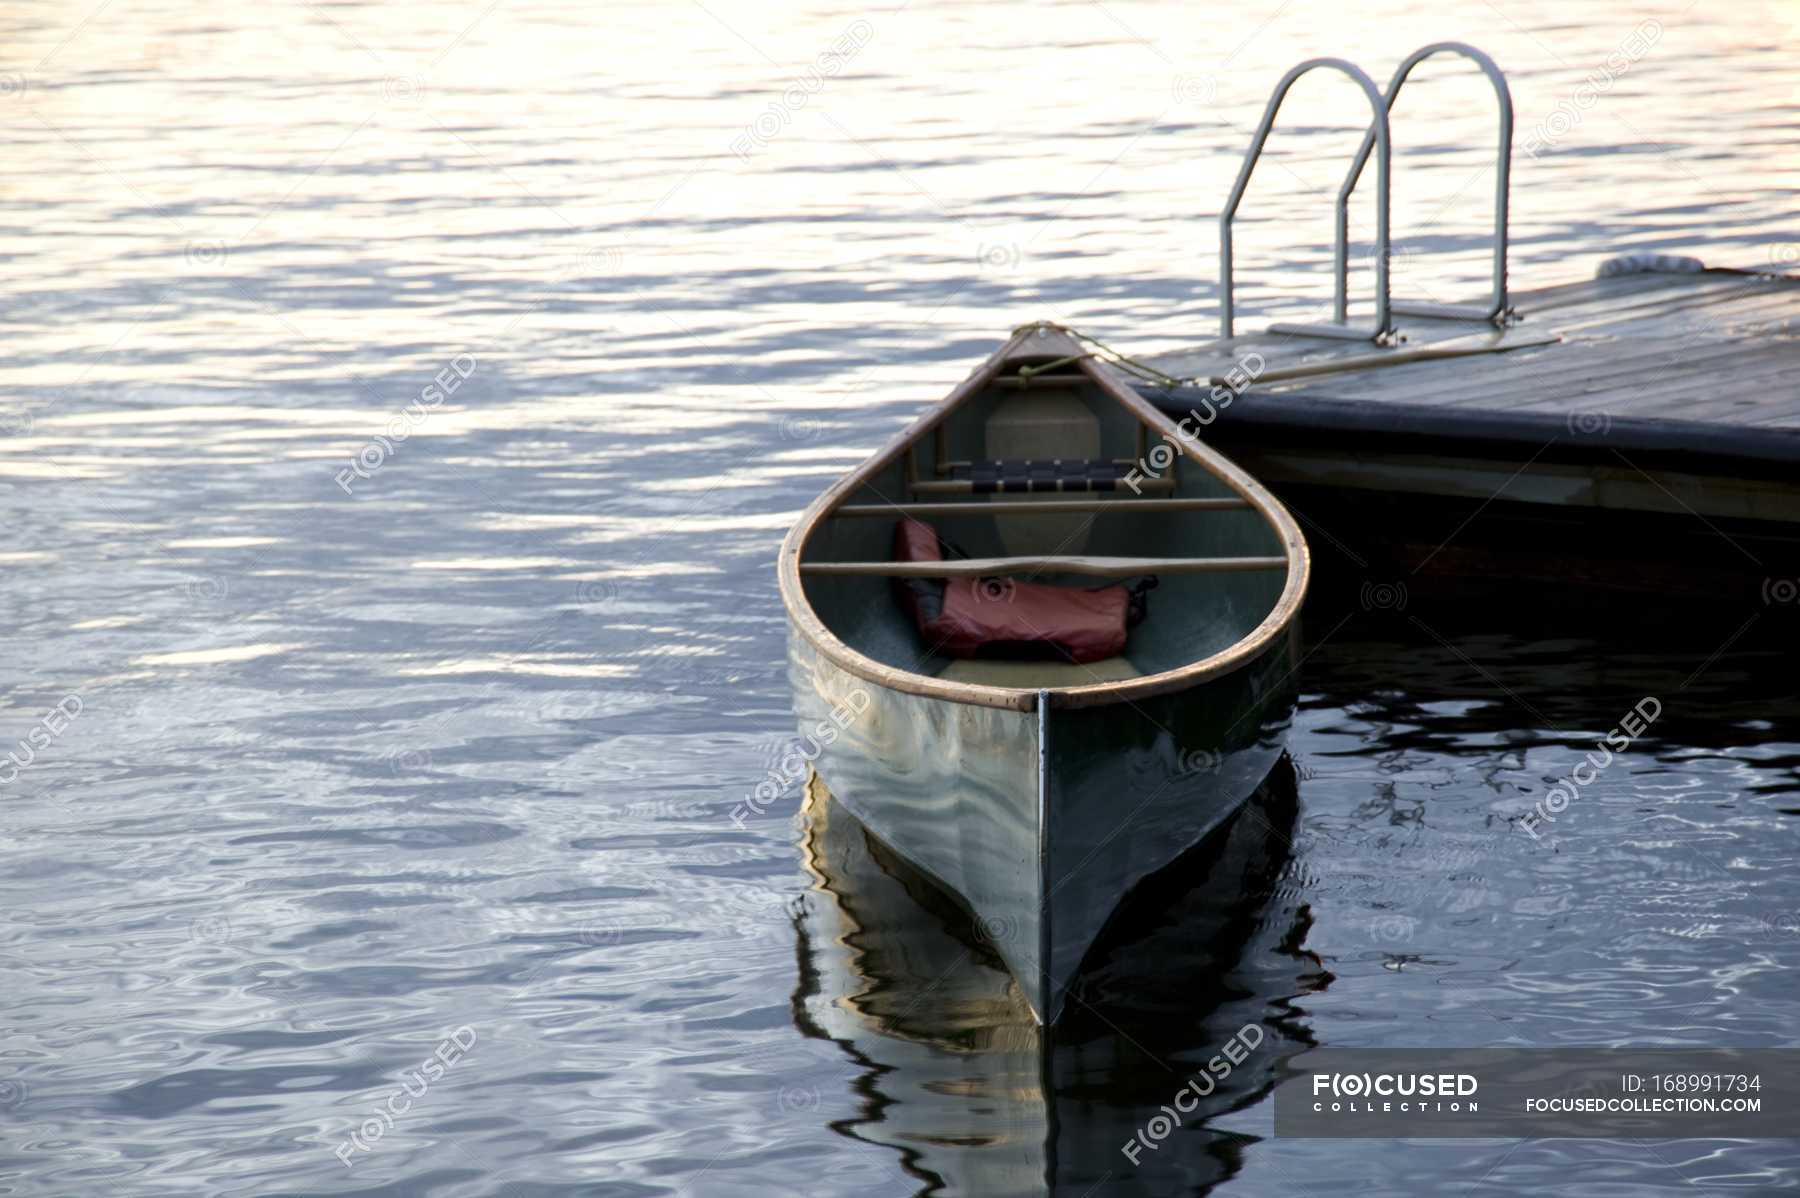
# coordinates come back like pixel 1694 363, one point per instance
pixel 1035 675
pixel 1052 474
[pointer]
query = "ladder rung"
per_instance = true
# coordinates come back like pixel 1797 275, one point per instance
pixel 1339 332
pixel 1439 311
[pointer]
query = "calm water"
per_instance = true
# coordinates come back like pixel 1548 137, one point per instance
pixel 442 759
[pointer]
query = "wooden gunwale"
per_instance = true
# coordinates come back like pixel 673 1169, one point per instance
pixel 1045 340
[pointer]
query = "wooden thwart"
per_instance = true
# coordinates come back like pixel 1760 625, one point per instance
pixel 1103 567
pixel 957 464
pixel 1042 380
pixel 1040 507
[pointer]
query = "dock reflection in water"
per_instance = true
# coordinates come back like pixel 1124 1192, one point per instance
pixel 973 1097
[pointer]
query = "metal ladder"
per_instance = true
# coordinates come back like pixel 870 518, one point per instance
pixel 1493 310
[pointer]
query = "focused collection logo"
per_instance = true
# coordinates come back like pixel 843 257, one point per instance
pixel 1394 1093
pixel 1527 1093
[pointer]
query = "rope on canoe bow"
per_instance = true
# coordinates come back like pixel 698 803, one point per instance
pixel 1030 372
pixel 1112 357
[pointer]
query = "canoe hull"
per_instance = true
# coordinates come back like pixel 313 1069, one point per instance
pixel 951 787
pixel 1040 821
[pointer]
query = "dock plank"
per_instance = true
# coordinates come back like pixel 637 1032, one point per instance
pixel 1630 342
pixel 1609 370
pixel 1549 369
pixel 1697 375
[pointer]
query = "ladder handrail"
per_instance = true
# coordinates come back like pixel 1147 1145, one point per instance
pixel 1379 132
pixel 1495 309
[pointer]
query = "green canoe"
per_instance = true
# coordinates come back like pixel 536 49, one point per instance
pixel 1038 793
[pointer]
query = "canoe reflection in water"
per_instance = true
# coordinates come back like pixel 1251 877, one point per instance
pixel 974 1096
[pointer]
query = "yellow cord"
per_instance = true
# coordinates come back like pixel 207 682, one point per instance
pixel 1110 355
pixel 1031 372
pixel 1132 365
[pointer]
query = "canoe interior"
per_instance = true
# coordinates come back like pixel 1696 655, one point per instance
pixel 1191 616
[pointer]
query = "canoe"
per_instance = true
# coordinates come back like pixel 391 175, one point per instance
pixel 1038 793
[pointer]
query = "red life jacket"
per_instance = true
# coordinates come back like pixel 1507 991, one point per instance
pixel 1009 617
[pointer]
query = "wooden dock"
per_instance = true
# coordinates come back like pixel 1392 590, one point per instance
pixel 1655 415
